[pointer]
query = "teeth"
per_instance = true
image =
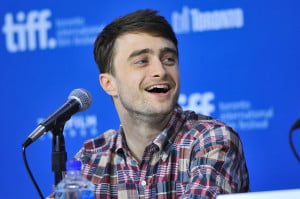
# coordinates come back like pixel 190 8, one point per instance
pixel 158 86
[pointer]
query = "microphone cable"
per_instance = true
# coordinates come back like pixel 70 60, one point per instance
pixel 295 126
pixel 30 173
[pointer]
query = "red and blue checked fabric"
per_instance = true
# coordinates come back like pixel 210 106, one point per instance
pixel 193 157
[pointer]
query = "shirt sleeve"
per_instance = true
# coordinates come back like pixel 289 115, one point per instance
pixel 79 154
pixel 217 165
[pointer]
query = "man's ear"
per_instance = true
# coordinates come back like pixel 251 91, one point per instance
pixel 107 82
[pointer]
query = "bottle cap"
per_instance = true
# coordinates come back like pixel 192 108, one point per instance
pixel 73 165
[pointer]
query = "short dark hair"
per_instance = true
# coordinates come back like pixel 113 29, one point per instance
pixel 140 21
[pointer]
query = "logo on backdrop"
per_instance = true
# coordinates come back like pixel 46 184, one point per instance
pixel 28 31
pixel 194 20
pixel 240 114
pixel 37 30
pixel 198 102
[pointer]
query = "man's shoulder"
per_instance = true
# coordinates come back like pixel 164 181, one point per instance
pixel 102 142
pixel 200 126
pixel 199 121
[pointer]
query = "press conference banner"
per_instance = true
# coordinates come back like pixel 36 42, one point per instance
pixel 239 62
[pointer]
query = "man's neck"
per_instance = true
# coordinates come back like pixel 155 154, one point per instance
pixel 139 133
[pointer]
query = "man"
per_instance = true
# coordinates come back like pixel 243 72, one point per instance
pixel 159 151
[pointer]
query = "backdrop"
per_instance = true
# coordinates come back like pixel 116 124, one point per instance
pixel 239 62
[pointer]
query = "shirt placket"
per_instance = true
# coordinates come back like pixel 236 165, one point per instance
pixel 145 166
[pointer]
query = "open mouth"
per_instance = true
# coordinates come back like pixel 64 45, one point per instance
pixel 158 89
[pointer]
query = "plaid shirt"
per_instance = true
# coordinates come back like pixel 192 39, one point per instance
pixel 193 157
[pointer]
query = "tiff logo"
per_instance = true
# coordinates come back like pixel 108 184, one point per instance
pixel 198 102
pixel 28 32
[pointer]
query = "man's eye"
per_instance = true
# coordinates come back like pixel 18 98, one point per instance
pixel 141 61
pixel 169 61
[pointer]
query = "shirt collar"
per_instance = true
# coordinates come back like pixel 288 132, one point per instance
pixel 166 138
pixel 120 141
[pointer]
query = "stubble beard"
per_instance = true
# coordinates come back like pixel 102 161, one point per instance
pixel 146 112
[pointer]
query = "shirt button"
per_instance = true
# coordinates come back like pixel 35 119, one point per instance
pixel 164 157
pixel 143 183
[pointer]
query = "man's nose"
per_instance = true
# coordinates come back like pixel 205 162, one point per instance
pixel 158 69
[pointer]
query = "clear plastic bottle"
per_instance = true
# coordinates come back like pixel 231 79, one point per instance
pixel 74 185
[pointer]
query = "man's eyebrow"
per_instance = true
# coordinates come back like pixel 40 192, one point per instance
pixel 168 50
pixel 139 52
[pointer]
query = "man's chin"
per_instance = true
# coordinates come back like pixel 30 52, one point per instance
pixel 162 111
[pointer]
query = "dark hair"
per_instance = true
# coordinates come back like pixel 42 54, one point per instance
pixel 141 21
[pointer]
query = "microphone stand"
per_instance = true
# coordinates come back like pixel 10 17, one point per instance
pixel 59 154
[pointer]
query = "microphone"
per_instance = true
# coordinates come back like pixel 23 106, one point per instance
pixel 78 100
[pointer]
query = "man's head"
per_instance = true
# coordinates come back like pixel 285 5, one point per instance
pixel 142 21
pixel 138 60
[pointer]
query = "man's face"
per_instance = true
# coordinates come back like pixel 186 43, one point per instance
pixel 146 74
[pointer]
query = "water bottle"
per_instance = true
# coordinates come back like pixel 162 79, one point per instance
pixel 74 185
